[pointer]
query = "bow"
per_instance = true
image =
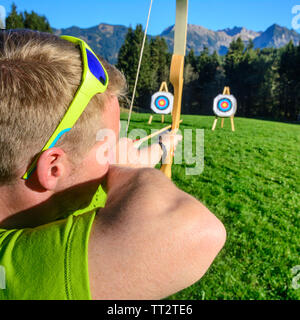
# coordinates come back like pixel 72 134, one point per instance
pixel 176 74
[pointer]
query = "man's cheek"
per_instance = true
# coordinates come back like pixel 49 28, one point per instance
pixel 106 151
pixel 103 154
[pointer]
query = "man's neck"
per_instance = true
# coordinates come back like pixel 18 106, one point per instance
pixel 15 201
pixel 21 207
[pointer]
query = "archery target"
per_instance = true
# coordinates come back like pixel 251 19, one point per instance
pixel 162 102
pixel 224 105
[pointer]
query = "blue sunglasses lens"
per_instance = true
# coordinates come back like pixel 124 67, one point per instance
pixel 96 67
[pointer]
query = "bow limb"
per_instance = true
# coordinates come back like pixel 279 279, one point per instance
pixel 176 75
pixel 176 78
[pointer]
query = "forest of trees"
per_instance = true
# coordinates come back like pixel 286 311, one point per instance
pixel 265 82
pixel 29 20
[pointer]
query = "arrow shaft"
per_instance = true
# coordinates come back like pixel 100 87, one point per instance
pixel 138 142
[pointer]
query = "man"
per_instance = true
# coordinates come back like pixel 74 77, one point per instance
pixel 150 239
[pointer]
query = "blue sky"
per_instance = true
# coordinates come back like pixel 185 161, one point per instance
pixel 213 14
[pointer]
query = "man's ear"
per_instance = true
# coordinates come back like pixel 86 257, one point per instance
pixel 51 167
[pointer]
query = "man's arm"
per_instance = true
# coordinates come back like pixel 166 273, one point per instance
pixel 127 154
pixel 151 240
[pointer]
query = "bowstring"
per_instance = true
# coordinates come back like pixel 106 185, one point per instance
pixel 138 69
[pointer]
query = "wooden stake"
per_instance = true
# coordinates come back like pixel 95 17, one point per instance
pixel 214 124
pixel 232 123
pixel 163 87
pixel 222 122
pixel 226 90
pixel 150 119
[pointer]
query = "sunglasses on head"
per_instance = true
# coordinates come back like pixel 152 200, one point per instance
pixel 94 80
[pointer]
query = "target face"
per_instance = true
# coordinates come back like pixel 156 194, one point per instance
pixel 224 105
pixel 162 102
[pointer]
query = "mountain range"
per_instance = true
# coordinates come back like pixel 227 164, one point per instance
pixel 106 39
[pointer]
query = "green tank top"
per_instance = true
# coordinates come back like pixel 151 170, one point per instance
pixel 49 262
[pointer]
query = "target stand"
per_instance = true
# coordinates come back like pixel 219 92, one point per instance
pixel 224 107
pixel 162 102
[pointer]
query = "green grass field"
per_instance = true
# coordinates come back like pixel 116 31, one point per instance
pixel 251 182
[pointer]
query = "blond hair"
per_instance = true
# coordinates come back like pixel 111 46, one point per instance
pixel 39 76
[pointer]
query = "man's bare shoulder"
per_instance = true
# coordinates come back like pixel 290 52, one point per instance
pixel 148 243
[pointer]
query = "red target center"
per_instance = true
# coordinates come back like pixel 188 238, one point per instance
pixel 162 103
pixel 224 105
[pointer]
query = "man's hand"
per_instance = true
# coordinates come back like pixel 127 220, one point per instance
pixel 128 155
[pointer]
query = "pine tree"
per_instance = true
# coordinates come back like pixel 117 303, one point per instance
pixel 233 57
pixel 128 59
pixel 34 21
pixel 27 20
pixel 14 20
pixel 288 80
pixel 267 95
pixel 160 62
pixel 234 77
pixel 203 77
pixel 191 59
